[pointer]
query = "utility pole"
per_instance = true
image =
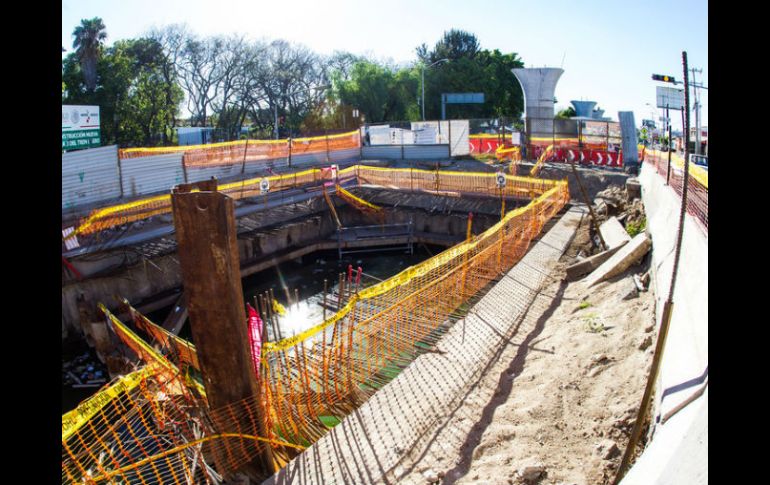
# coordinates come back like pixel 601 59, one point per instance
pixel 696 107
pixel 422 83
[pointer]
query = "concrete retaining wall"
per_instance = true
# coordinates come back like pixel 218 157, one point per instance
pixel 678 452
pixel 594 179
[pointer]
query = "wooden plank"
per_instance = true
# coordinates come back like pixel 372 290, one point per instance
pixel 178 315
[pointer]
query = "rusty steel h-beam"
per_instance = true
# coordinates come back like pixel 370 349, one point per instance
pixel 208 254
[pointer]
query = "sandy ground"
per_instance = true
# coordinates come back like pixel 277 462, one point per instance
pixel 563 394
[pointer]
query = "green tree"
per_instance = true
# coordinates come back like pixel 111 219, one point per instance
pixel 456 44
pixel 471 69
pixel 89 37
pixel 566 113
pixel 134 98
pixel 381 93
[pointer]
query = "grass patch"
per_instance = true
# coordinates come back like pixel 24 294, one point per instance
pixel 593 323
pixel 584 304
pixel 634 228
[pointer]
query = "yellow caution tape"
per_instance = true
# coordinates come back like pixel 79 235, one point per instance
pixel 358 200
pixel 484 136
pixel 73 420
pixel 278 308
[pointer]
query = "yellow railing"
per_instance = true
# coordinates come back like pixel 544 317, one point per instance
pixel 696 172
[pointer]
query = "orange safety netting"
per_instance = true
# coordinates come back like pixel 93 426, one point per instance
pixel 153 425
pixel 697 185
pixel 228 153
pixel 481 183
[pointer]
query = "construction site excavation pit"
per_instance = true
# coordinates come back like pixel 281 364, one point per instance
pixel 415 250
pixel 288 248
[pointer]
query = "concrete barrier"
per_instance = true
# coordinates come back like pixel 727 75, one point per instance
pixel 678 452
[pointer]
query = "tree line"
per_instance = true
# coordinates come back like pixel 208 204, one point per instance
pixel 228 82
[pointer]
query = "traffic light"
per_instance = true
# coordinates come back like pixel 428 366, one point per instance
pixel 665 79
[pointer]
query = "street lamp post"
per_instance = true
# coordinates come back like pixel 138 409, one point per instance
pixel 422 83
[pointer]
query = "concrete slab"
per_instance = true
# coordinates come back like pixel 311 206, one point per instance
pixel 370 442
pixel 634 189
pixel 620 261
pixel 613 233
pixel 589 264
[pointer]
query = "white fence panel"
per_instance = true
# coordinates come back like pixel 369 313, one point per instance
pixel 148 175
pixel 89 176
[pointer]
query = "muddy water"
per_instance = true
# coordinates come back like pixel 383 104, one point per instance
pixel 306 275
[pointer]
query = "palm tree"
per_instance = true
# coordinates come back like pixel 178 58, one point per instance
pixel 89 36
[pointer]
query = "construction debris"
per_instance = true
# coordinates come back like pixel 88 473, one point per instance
pixel 589 264
pixel 622 260
pixel 84 370
pixel 613 233
pixel 531 470
pixel 634 188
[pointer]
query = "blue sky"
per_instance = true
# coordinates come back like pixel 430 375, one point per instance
pixel 608 49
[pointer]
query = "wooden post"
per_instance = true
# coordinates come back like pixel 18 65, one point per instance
pixel 587 202
pixel 289 151
pixel 208 255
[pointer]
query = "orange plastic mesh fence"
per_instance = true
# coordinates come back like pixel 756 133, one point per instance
pixel 153 426
pixel 227 153
pixel 159 431
pixel 482 183
pixel 697 185
pixel 330 368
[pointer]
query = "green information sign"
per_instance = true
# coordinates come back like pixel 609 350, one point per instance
pixel 80 127
pixel 80 139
